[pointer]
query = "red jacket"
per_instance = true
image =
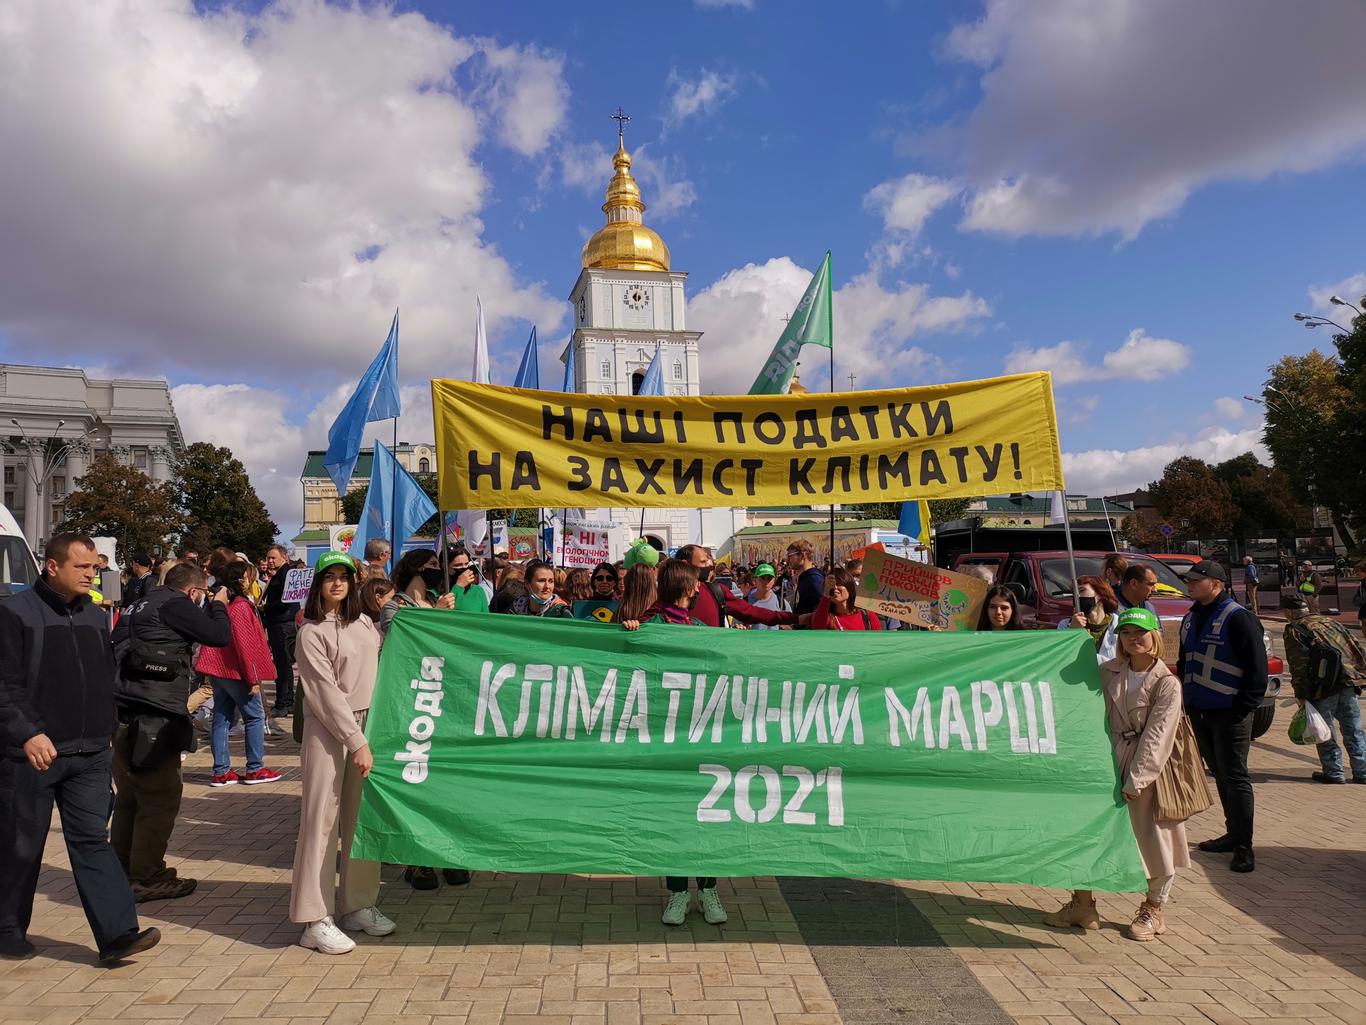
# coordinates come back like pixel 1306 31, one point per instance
pixel 859 619
pixel 247 658
pixel 704 608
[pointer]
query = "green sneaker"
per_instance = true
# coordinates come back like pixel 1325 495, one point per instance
pixel 677 909
pixel 712 910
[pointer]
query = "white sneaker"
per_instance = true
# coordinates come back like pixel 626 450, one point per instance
pixel 677 909
pixel 712 910
pixel 324 937
pixel 371 921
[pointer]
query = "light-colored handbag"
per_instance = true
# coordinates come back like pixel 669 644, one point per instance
pixel 1182 790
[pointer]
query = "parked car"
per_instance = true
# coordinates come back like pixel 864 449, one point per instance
pixel 1179 563
pixel 1042 582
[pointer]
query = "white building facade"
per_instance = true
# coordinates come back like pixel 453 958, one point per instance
pixel 629 304
pixel 48 412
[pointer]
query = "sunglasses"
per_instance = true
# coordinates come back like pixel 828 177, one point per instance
pixel 604 576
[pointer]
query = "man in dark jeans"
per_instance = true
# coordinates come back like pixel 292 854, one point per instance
pixel 280 629
pixel 56 722
pixel 1222 668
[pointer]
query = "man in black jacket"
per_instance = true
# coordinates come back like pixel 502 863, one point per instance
pixel 56 722
pixel 278 618
pixel 153 647
pixel 140 579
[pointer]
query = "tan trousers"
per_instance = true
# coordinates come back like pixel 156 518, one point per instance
pixel 327 824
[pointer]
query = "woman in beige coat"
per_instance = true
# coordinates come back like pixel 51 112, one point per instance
pixel 1143 709
pixel 338 656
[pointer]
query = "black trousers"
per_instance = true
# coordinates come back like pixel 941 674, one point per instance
pixel 1224 739
pixel 280 637
pixel 146 803
pixel 79 786
pixel 679 884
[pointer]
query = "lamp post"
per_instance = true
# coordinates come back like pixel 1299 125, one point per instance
pixel 1338 300
pixel 1311 321
pixel 1295 415
pixel 42 457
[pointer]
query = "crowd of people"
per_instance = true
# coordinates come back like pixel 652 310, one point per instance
pixel 118 707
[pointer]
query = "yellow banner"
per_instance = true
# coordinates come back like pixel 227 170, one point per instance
pixel 512 448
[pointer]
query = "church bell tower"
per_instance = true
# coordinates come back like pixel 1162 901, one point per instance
pixel 627 301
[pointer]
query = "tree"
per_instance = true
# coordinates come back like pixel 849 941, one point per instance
pixel 353 503
pixel 221 506
pixel 941 509
pixel 122 502
pixel 1316 428
pixel 1195 502
pixel 1263 496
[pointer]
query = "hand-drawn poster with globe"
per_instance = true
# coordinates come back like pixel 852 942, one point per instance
pixel 918 594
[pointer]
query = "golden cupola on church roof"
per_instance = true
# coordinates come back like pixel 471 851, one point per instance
pixel 624 242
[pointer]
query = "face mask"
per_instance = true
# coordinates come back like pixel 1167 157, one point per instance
pixel 433 578
pixel 704 573
pixel 538 600
pixel 1087 603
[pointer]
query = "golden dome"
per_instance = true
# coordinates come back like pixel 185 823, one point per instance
pixel 795 387
pixel 624 242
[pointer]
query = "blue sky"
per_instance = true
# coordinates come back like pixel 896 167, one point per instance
pixel 1136 195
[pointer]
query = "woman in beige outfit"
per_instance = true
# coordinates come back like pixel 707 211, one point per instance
pixel 338 658
pixel 1143 708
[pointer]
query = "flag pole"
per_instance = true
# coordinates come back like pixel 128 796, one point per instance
pixel 1108 525
pixel 830 333
pixel 445 550
pixel 393 501
pixel 1071 552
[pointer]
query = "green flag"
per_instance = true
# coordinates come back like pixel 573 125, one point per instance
pixel 526 745
pixel 811 324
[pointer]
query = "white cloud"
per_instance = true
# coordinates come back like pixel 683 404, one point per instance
pixel 1118 471
pixel 744 5
pixel 663 187
pixel 692 97
pixel 1140 358
pixel 585 165
pixel 1351 289
pixel 243 194
pixel 906 203
pixel 1101 117
pixel 742 314
pixel 1230 410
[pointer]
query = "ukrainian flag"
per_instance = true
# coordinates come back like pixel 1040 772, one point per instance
pixel 915 521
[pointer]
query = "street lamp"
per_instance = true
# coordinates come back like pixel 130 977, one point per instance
pixel 1291 412
pixel 1311 321
pixel 1338 300
pixel 40 469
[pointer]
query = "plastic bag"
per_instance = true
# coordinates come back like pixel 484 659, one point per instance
pixel 1309 726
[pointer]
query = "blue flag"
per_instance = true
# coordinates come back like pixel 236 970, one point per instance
pixel 568 385
pixel 653 381
pixel 395 505
pixel 375 398
pixel 529 373
pixel 915 520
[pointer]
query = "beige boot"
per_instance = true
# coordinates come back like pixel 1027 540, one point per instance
pixel 1149 922
pixel 1074 912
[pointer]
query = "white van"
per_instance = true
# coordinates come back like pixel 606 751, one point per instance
pixel 18 568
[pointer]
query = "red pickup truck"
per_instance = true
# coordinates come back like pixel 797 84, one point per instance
pixel 1042 582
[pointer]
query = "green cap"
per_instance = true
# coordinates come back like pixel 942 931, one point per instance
pixel 764 570
pixel 1139 617
pixel 641 553
pixel 328 559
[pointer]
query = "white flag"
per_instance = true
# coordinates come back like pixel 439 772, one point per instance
pixel 1057 511
pixel 481 346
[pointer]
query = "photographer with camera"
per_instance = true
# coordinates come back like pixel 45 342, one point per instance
pixel 153 647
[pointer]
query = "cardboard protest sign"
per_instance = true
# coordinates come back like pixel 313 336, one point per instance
pixel 297 583
pixel 340 536
pixel 522 543
pixel 510 447
pixel 919 594
pixel 585 543
pixel 517 744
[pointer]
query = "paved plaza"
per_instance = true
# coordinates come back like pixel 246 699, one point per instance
pixel 1284 944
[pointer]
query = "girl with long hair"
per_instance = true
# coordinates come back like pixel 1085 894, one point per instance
pixel 1000 610
pixel 338 656
pixel 1097 616
pixel 1143 706
pixel 417 584
pixel 236 673
pixel 836 610
pixel 638 595
pixel 578 586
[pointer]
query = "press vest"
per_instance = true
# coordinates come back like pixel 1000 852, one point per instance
pixel 148 635
pixel 1210 670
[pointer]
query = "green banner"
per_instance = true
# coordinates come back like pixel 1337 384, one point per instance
pixel 525 745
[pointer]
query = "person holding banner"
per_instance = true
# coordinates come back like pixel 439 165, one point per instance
pixel 1144 707
pixel 541 599
pixel 678 586
pixel 1098 605
pixel 639 595
pixel 605 580
pixel 338 655
pixel 416 579
pixel 836 609
pixel 1000 610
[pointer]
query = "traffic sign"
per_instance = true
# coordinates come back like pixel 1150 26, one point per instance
pixel 1168 530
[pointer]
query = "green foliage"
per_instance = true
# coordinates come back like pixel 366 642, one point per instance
pixel 1193 500
pixel 1263 497
pixel 353 503
pixel 942 510
pixel 221 506
pixel 122 502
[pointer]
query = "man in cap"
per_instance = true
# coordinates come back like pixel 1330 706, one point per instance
pixel 1327 669
pixel 1310 585
pixel 1222 668
pixel 762 595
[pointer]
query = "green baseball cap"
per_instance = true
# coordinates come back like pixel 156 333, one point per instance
pixel 329 559
pixel 1139 617
pixel 764 570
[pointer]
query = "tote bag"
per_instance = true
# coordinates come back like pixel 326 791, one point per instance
pixel 1181 787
